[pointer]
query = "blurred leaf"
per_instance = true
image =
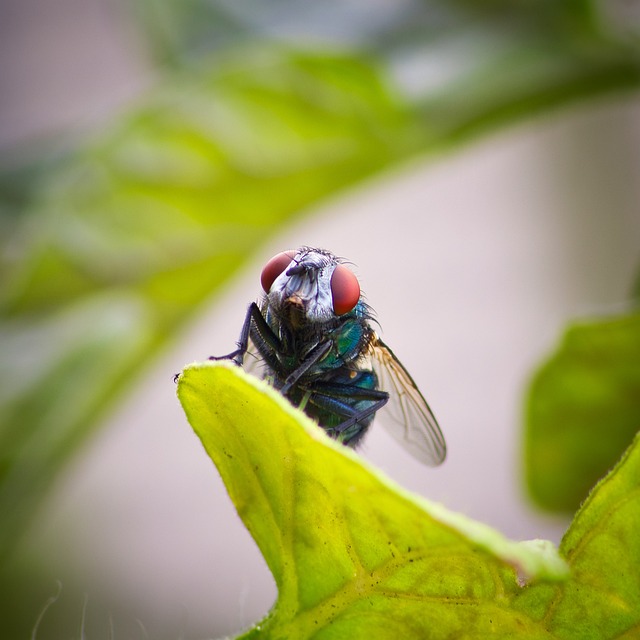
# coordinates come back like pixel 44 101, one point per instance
pixel 353 555
pixel 124 243
pixel 583 410
pixel 602 597
pixel 116 248
pixel 507 78
pixel 180 32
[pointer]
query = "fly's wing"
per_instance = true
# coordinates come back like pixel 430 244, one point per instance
pixel 407 415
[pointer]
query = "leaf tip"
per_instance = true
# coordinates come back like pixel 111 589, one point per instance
pixel 540 560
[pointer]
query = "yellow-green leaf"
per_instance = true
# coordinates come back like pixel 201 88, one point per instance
pixel 602 547
pixel 352 554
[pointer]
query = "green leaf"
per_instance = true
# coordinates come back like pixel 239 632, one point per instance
pixel 355 556
pixel 602 546
pixel 107 250
pixel 583 410
pixel 352 554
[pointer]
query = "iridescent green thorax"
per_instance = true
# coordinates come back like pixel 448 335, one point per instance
pixel 350 336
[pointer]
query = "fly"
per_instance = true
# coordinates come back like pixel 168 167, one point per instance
pixel 313 334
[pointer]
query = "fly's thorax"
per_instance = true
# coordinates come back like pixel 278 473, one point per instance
pixel 350 344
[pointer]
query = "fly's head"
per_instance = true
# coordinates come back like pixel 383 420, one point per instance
pixel 309 286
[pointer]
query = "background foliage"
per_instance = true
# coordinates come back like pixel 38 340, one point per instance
pixel 111 243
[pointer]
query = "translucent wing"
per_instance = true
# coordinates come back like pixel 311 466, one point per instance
pixel 407 415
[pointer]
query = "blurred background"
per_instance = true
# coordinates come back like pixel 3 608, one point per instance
pixel 478 162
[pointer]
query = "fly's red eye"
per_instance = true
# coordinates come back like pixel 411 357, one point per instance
pixel 274 268
pixel 345 290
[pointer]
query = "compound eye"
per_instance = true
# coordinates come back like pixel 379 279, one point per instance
pixel 274 268
pixel 345 290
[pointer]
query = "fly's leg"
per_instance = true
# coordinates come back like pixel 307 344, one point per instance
pixel 378 398
pixel 267 343
pixel 260 332
pixel 335 398
pixel 243 342
pixel 315 355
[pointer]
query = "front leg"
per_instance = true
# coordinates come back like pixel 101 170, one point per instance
pixel 264 330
